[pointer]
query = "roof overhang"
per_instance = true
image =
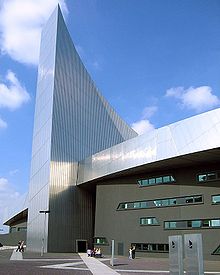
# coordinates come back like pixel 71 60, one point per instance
pixel 18 217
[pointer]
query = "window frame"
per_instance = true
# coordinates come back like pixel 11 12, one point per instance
pixel 203 224
pixel 102 243
pixel 215 203
pixel 149 224
pixel 160 203
pixel 207 175
pixel 156 180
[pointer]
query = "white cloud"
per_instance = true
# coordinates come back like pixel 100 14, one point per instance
pixel 198 99
pixel 149 111
pixel 96 65
pixel 3 184
pixel 20 27
pixel 3 124
pixel 11 201
pixel 143 126
pixel 12 94
pixel 13 172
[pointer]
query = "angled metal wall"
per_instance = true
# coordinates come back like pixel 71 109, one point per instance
pixel 41 146
pixel 195 134
pixel 77 123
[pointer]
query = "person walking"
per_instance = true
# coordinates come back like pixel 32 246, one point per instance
pixel 19 245
pixel 133 252
pixel 130 253
pixel 21 249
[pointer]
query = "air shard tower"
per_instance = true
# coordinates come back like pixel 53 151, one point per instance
pixel 72 121
pixel 93 178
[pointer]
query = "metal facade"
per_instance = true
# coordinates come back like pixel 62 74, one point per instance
pixel 72 121
pixel 195 134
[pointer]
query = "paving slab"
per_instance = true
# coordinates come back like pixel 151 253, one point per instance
pixel 16 256
pixel 96 266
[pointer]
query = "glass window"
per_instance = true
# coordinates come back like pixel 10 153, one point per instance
pixel 196 224
pixel 143 204
pixel 202 177
pixel 100 240
pixel 172 201
pixel 13 229
pixel 137 205
pixel 206 223
pixel 156 180
pixel 22 228
pixel 215 223
pixel 159 180
pixel 162 203
pixel 147 247
pixel 198 199
pixel 209 176
pixel 152 181
pixel 151 247
pixel 216 199
pixel 165 202
pixel 160 247
pixel 172 224
pixel 148 221
pixel 166 179
pixel 157 203
pixel 189 199
pixel 130 205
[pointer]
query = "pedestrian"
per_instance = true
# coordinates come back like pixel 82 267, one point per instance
pixel 19 245
pixel 133 252
pixel 89 252
pixel 21 249
pixel 130 253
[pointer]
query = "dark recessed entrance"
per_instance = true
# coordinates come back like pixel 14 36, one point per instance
pixel 81 245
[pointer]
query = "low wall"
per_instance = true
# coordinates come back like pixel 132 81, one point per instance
pixel 13 238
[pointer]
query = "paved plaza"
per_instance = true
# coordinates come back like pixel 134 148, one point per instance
pixel 26 263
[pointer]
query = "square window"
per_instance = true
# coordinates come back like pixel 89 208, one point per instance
pixel 166 179
pixel 159 180
pixel 211 176
pixel 198 199
pixel 202 177
pixel 172 201
pixel 215 223
pixel 137 204
pixel 152 181
pixel 216 199
pixel 196 224
pixel 189 200
pixel 143 204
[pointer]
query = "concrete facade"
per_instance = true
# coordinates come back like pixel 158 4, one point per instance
pixel 124 225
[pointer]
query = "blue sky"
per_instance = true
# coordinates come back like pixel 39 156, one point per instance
pixel 155 61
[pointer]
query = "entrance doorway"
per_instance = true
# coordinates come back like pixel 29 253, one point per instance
pixel 81 245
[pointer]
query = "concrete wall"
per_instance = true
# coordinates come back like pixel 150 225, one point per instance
pixel 13 238
pixel 124 227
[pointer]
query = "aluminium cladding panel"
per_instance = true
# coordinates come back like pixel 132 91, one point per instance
pixel 191 135
pixel 82 123
pixel 40 163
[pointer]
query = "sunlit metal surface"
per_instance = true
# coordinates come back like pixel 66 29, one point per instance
pixel 195 134
pixel 72 121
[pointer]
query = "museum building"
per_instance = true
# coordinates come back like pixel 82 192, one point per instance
pixel 93 179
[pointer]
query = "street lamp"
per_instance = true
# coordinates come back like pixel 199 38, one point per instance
pixel 43 239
